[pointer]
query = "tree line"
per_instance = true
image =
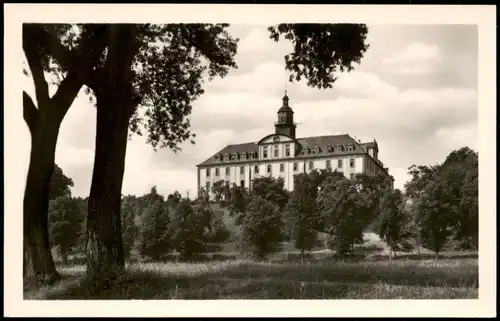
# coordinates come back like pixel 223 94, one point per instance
pixel 438 209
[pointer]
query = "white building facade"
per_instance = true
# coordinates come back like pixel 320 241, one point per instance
pixel 281 154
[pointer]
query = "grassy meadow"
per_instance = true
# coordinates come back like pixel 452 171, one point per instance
pixel 226 275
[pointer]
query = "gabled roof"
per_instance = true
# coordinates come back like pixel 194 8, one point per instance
pixel 321 141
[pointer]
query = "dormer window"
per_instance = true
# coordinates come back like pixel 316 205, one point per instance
pixel 338 148
pixel 217 158
pixel 316 150
pixel 329 149
pixel 233 157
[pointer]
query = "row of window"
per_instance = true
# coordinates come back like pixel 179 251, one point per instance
pixel 276 151
pixel 352 164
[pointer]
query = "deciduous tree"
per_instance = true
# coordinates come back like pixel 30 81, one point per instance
pixel 44 119
pixel 393 219
pixel 261 229
pixel 65 222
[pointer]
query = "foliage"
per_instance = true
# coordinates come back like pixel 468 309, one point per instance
pixel 344 209
pixel 270 189
pixel 393 218
pixel 320 51
pixel 261 228
pixel 234 198
pixel 188 230
pixel 130 230
pixel 65 225
pixel 154 238
pixel 444 200
pixel 301 212
pixel 60 184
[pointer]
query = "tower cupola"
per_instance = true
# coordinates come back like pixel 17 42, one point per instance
pixel 285 124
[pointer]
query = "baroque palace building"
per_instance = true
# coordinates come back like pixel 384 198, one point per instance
pixel 281 154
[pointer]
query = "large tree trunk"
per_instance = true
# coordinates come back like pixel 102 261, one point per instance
pixel 39 267
pixel 105 255
pixel 115 105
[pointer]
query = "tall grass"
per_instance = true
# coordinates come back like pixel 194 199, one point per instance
pixel 447 278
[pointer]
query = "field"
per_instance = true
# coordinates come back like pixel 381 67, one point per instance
pixel 225 276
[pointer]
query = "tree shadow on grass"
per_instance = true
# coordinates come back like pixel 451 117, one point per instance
pixel 148 286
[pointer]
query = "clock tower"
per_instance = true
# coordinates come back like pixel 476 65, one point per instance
pixel 285 124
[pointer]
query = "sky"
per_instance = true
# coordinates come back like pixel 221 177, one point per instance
pixel 415 92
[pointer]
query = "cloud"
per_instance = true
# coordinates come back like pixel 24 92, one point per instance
pixel 416 120
pixel 415 59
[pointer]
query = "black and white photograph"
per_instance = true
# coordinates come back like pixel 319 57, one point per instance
pixel 278 157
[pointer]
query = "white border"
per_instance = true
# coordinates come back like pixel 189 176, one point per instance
pixel 483 16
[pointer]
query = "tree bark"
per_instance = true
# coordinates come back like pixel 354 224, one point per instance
pixel 115 104
pixel 44 123
pixel 39 265
pixel 105 255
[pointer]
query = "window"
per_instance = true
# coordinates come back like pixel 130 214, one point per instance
pixel 269 169
pixel 276 151
pixel 217 172
pixel 282 119
pixel 282 167
pixel 227 183
pixel 352 163
pixel 295 167
pixel 311 165
pixel 287 150
pixel 208 172
pixel 242 170
pixel 328 164
pixel 227 171
pixel 256 169
pixel 351 176
pixel 242 183
pixel 340 165
pixel 264 152
pixel 207 187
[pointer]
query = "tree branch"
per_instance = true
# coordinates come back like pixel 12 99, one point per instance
pixel 33 56
pixel 30 113
pixel 70 60
pixel 66 93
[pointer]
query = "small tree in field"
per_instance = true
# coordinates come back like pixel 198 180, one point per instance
pixel 261 229
pixel 130 211
pixel 188 230
pixel 343 209
pixel 434 216
pixel 65 225
pixel 393 219
pixel 154 238
pixel 301 214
